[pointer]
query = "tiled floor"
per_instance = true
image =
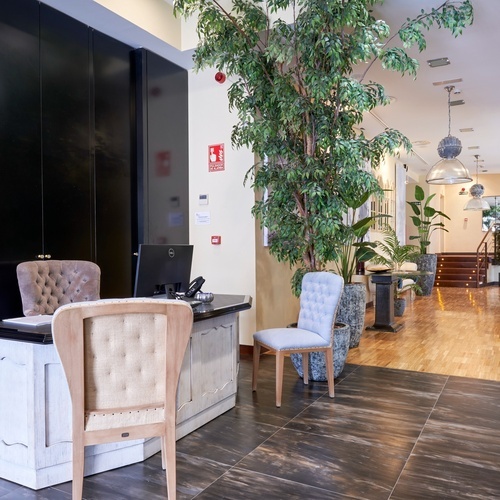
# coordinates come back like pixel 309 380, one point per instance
pixel 387 434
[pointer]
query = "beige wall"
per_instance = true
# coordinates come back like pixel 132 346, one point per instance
pixel 276 305
pixel 438 241
pixel 464 228
pixel 230 267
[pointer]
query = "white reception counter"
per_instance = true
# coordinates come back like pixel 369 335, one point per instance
pixel 35 413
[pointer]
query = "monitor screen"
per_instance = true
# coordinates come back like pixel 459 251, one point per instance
pixel 162 268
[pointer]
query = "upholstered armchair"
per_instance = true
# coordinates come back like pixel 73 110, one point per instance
pixel 46 285
pixel 122 359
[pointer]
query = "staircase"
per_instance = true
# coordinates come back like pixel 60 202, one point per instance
pixel 459 270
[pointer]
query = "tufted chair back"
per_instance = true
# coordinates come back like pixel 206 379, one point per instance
pixel 46 285
pixel 319 299
pixel 122 359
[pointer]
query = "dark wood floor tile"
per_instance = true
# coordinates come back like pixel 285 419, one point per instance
pixel 373 425
pixel 27 494
pixel 474 386
pixel 195 474
pixel 246 485
pixel 346 468
pixel 469 402
pixel 427 478
pixel 420 389
pixel 225 440
pixel 469 445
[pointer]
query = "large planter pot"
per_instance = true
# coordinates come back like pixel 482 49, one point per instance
pixel 426 262
pixel 399 306
pixel 351 310
pixel 317 363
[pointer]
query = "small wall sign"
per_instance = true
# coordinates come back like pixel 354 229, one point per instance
pixel 216 158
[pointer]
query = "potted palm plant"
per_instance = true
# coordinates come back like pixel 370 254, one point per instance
pixel 292 67
pixel 350 248
pixel 426 219
pixel 391 253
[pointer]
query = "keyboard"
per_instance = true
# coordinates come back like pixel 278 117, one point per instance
pixel 189 300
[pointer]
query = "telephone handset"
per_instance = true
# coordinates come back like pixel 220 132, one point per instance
pixel 194 286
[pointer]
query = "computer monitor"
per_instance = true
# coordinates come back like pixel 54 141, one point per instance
pixel 162 269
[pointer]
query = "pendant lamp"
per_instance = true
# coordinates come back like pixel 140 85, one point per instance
pixel 449 170
pixel 476 191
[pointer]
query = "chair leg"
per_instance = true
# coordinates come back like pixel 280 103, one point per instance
pixel 78 468
pixel 329 372
pixel 256 359
pixel 305 367
pixel 280 360
pixel 169 457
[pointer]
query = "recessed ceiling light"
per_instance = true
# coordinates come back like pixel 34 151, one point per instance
pixel 420 144
pixel 473 147
pixel 457 102
pixel 469 129
pixel 435 63
pixel 447 82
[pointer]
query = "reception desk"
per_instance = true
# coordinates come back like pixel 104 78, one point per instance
pixel 35 414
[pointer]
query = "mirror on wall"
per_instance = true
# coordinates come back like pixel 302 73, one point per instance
pixel 493 214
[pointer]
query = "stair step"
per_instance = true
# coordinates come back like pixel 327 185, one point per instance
pixel 457 265
pixel 458 260
pixel 455 284
pixel 458 277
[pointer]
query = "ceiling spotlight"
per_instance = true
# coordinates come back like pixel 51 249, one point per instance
pixel 435 63
pixel 449 170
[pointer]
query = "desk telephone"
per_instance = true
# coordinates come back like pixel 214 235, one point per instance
pixel 194 286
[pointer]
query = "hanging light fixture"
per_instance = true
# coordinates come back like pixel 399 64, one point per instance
pixel 476 191
pixel 449 170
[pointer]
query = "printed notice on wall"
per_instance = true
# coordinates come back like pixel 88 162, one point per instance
pixel 216 158
pixel 202 218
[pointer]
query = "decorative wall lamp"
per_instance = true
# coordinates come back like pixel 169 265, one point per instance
pixel 449 170
pixel 476 191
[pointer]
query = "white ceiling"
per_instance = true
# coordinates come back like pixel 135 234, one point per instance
pixel 419 108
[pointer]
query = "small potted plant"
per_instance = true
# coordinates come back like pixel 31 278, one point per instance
pixel 400 290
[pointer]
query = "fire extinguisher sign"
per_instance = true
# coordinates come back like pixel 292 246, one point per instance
pixel 216 158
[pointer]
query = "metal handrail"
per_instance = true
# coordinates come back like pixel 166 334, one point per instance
pixel 482 254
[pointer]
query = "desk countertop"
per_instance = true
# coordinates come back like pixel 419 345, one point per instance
pixel 221 305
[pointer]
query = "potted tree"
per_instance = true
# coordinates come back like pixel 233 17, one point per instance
pixel 426 220
pixel 299 105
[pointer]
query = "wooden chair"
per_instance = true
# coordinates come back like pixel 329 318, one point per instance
pixel 319 299
pixel 46 285
pixel 122 360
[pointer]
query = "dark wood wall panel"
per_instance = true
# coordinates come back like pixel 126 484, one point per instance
pixel 167 151
pixel 115 203
pixel 20 131
pixel 20 141
pixel 94 143
pixel 66 143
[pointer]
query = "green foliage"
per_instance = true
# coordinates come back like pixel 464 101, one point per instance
pixel 390 250
pixel 398 292
pixel 299 107
pixel 424 218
